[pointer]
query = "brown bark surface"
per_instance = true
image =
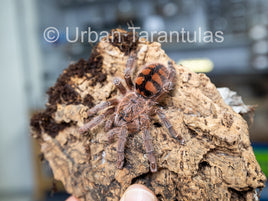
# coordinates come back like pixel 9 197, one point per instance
pixel 216 163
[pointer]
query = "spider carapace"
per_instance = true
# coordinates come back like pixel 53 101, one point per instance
pixel 131 111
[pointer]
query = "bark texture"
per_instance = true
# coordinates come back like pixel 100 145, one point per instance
pixel 216 163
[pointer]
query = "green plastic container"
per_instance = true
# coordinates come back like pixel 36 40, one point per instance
pixel 261 153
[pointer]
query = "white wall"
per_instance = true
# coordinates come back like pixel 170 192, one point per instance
pixel 17 70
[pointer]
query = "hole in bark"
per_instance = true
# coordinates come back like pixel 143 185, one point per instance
pixel 159 197
pixel 142 179
pixel 193 133
pixel 237 195
pixel 202 165
pixel 157 124
pixel 88 100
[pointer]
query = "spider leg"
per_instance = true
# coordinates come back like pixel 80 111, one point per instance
pixel 109 123
pixel 120 86
pixel 112 132
pixel 133 126
pixel 101 106
pixel 169 126
pixel 95 121
pixel 131 63
pixel 172 71
pixel 148 143
pixel 168 86
pixel 122 138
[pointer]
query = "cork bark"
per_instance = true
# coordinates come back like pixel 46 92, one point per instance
pixel 216 163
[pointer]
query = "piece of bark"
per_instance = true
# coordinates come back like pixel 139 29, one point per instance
pixel 232 99
pixel 216 163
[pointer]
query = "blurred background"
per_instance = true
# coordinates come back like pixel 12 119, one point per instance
pixel 29 65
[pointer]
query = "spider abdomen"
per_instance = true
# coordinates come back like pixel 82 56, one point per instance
pixel 150 80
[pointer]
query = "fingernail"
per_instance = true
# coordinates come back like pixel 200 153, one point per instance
pixel 138 194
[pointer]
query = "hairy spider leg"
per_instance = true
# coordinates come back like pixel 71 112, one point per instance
pixel 113 132
pixel 148 142
pixel 95 121
pixel 101 106
pixel 172 71
pixel 169 126
pixel 120 86
pixel 168 86
pixel 122 138
pixel 109 123
pixel 133 126
pixel 131 63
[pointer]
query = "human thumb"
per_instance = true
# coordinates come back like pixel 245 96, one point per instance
pixel 137 192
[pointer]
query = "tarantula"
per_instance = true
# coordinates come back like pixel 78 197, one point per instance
pixel 132 112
